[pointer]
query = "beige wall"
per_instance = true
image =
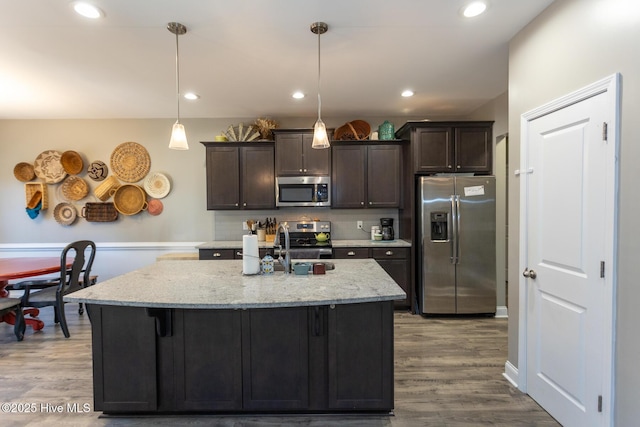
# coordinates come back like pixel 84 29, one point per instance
pixel 185 217
pixel 498 111
pixel 570 45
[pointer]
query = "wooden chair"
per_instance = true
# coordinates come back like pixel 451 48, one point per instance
pixel 71 280
pixel 11 312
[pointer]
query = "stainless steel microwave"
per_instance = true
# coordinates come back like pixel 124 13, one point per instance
pixel 303 191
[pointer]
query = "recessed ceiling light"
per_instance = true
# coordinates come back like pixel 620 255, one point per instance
pixel 87 10
pixel 474 9
pixel 191 96
pixel 298 95
pixel 407 93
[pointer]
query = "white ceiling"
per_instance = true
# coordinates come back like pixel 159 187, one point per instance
pixel 246 57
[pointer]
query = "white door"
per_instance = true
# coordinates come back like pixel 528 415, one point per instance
pixel 569 233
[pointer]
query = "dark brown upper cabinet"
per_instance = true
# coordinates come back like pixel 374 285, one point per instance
pixel 295 157
pixel 366 175
pixel 452 147
pixel 240 175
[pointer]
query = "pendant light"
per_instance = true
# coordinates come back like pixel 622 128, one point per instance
pixel 320 138
pixel 178 135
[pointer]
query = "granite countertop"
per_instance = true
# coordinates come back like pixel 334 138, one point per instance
pixel 221 285
pixel 235 244
pixel 398 243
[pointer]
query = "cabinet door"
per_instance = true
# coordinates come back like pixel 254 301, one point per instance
pixel 124 359
pixel 398 269
pixel 289 154
pixel 223 172
pixel 315 162
pixel 207 351
pixel 360 356
pixel 348 185
pixel 433 150
pixel 383 176
pixel 473 149
pixel 258 180
pixel 275 355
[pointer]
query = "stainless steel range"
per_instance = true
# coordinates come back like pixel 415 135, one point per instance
pixel 303 239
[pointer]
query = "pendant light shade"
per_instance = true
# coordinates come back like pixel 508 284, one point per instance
pixel 320 137
pixel 178 139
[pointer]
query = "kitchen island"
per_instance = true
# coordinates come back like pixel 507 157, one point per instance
pixel 198 336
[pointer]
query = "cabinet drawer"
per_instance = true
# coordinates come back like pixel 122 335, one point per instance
pixel 380 253
pixel 213 254
pixel 346 253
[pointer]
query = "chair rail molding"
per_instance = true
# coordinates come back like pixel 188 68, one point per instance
pixel 112 258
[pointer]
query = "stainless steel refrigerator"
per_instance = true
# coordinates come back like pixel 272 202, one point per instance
pixel 457 253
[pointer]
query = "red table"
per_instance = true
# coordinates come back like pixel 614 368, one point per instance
pixel 21 267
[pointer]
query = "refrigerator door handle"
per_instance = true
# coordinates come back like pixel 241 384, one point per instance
pixel 457 230
pixel 454 231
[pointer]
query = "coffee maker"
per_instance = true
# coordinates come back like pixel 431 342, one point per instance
pixel 387 228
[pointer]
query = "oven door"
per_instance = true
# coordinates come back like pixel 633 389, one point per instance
pixel 311 253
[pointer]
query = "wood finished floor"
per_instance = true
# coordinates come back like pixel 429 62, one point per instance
pixel 448 372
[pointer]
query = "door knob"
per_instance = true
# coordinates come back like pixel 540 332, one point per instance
pixel 529 274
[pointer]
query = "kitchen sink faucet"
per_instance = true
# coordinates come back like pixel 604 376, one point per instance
pixel 286 261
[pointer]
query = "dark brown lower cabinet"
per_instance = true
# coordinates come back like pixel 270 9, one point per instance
pixel 359 358
pixel 336 358
pixel 276 362
pixel 395 261
pixel 207 369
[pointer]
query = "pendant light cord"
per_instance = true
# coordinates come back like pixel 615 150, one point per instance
pixel 178 76
pixel 319 100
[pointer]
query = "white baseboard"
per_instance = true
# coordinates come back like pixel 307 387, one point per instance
pixel 501 311
pixel 511 373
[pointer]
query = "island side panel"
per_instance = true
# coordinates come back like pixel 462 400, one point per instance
pixel 124 359
pixel 360 356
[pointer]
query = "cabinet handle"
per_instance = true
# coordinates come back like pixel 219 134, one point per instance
pixel 236 204
pixel 305 170
pixel 361 203
pixel 299 170
pixel 370 203
pixel 389 253
pixel 217 254
pixel 458 166
pixel 351 253
pixel 244 204
pixel 449 166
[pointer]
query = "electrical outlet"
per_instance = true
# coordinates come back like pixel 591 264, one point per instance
pixel 359 225
pixel 244 225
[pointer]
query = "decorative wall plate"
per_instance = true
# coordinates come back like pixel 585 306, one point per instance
pixel 97 170
pixel 72 162
pixel 155 207
pixel 48 167
pixel 130 162
pixel 65 213
pixel 74 188
pixel 157 185
pixel 24 172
